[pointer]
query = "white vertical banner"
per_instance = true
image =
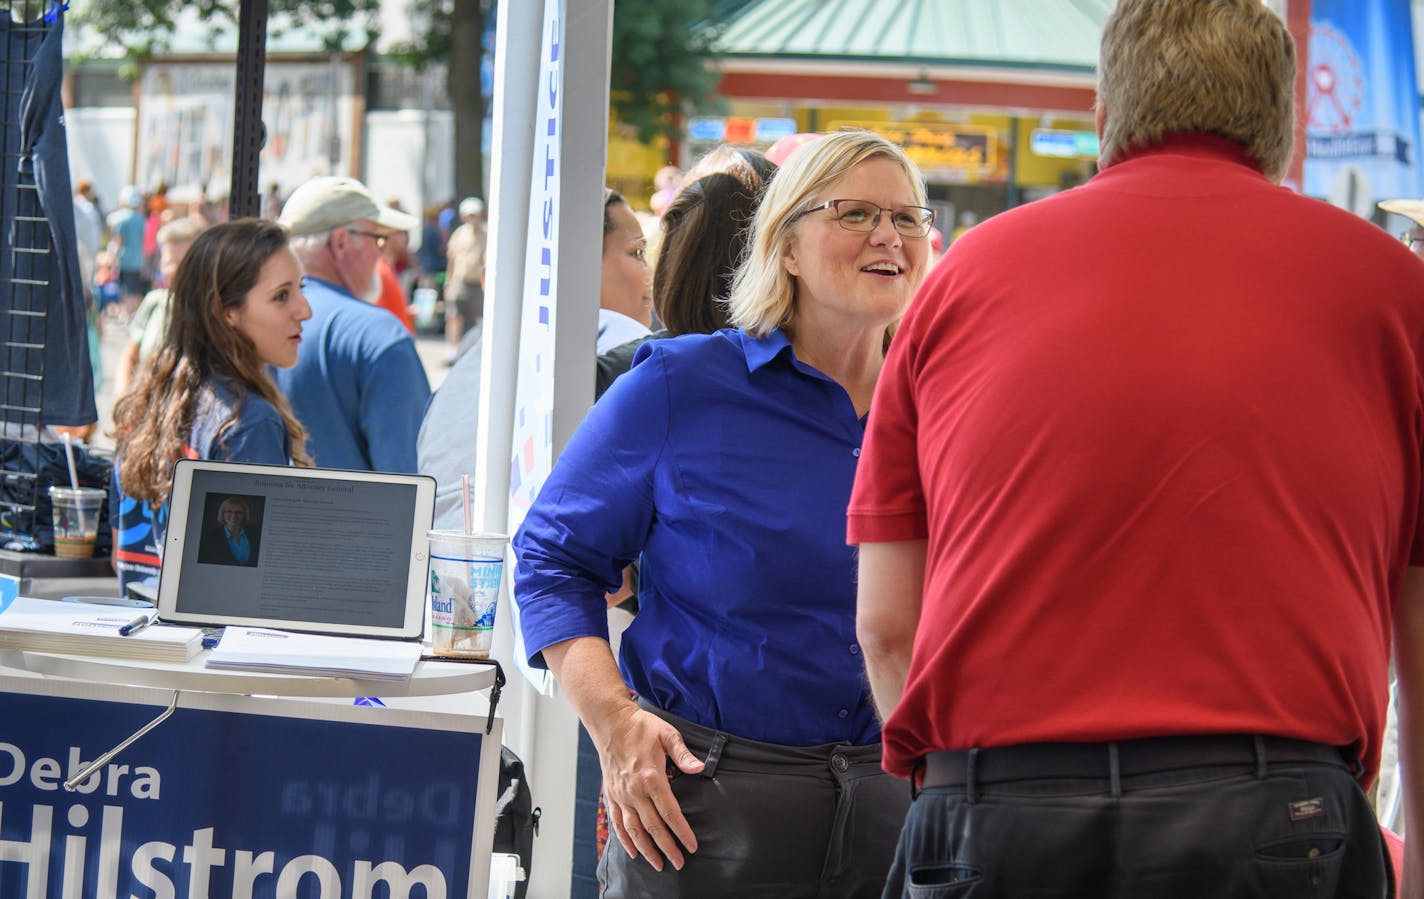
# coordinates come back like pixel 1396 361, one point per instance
pixel 536 382
pixel 519 32
pixel 534 391
pixel 532 439
pixel 562 255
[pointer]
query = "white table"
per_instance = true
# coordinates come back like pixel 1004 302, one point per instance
pixel 431 678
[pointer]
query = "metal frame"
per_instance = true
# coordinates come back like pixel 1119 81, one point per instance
pixel 244 197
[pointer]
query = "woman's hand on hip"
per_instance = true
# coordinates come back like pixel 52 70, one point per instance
pixel 646 818
pixel 634 748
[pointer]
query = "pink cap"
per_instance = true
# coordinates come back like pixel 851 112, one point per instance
pixel 778 151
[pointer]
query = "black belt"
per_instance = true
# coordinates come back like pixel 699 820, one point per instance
pixel 1051 761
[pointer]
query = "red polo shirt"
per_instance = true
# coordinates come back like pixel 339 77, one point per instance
pixel 1162 433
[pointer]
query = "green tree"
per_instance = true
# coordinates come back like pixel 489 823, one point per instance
pixel 660 70
pixel 144 27
pixel 660 63
pixel 449 34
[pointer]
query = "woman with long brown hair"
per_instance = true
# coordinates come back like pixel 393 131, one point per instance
pixel 237 307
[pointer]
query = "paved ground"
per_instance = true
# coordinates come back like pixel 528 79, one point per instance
pixel 430 347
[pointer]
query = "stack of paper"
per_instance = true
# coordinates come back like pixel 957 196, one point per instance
pixel 285 652
pixel 67 628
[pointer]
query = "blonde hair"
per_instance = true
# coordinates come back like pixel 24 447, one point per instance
pixel 184 230
pixel 1223 67
pixel 233 502
pixel 763 294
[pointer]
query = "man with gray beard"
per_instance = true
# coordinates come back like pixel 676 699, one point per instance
pixel 358 385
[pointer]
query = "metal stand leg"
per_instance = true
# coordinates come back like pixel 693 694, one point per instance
pixel 104 759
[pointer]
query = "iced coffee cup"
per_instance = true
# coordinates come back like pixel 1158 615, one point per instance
pixel 76 520
pixel 465 573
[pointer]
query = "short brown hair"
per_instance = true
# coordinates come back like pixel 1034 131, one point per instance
pixel 1224 67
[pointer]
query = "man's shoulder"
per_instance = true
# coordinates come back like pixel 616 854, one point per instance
pixel 152 302
pixel 376 330
pixel 347 318
pixel 148 308
pixel 460 236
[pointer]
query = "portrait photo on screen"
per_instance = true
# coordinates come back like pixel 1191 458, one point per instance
pixel 232 530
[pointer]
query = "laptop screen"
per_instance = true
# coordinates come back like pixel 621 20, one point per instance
pixel 306 549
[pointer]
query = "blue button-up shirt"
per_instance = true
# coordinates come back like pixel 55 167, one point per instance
pixel 727 464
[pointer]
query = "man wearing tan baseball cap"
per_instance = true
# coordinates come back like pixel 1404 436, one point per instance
pixel 358 385
pixel 1414 211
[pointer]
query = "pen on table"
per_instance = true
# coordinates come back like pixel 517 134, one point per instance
pixel 135 626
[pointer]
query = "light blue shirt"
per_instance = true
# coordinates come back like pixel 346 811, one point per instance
pixel 241 549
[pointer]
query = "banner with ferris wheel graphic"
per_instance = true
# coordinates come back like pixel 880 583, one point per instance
pixel 1362 104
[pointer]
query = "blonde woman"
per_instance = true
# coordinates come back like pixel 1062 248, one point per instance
pixel 749 762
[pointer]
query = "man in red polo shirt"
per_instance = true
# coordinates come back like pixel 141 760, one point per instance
pixel 1139 490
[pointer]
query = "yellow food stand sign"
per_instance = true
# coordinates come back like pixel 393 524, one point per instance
pixel 954 153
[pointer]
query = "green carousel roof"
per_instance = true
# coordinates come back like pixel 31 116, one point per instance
pixel 1054 34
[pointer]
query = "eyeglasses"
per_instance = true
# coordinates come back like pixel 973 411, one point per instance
pixel 1410 239
pixel 378 239
pixel 863 215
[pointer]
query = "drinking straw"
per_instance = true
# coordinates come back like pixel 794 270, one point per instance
pixel 69 455
pixel 465 496
pixel 74 481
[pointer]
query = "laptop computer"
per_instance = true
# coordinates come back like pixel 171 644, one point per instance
pixel 304 549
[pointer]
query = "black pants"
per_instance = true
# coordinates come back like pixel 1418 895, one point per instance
pixel 1289 829
pixel 780 822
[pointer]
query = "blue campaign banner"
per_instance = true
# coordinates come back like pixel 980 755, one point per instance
pixel 1362 104
pixel 216 804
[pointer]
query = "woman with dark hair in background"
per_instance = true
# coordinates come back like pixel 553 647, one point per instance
pixel 705 231
pixel 704 237
pixel 237 307
pixel 625 299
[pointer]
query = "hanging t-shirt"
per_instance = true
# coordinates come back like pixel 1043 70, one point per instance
pixel 37 213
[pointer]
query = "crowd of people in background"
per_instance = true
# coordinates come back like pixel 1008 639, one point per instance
pixel 128 256
pixel 430 277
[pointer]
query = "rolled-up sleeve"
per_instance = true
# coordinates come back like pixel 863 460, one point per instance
pixel 887 503
pixel 592 516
